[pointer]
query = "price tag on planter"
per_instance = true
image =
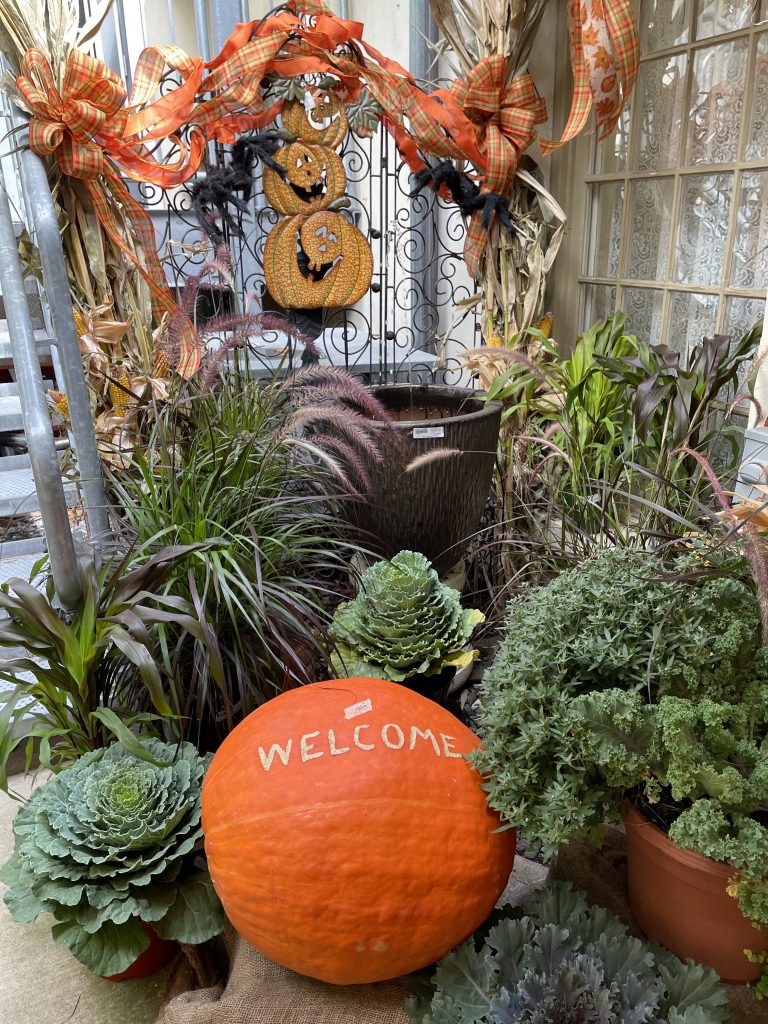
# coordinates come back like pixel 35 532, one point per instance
pixel 420 432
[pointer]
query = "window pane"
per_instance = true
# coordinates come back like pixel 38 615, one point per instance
pixel 717 97
pixel 612 153
pixel 749 267
pixel 691 317
pixel 660 92
pixel 608 206
pixel 719 16
pixel 650 225
pixel 741 315
pixel 705 206
pixel 663 23
pixel 757 142
pixel 643 307
pixel 600 302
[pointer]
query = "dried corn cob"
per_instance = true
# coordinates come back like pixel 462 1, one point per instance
pixel 80 324
pixel 545 324
pixel 59 401
pixel 118 391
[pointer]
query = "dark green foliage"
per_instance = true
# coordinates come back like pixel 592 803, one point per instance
pixel 628 672
pixel 557 961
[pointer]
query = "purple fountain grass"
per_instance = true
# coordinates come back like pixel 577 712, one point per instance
pixel 239 327
pixel 755 549
pixel 335 384
pixel 357 429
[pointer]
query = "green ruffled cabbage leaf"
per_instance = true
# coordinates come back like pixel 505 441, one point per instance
pixel 404 622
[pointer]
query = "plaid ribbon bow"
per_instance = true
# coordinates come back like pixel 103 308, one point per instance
pixel 68 123
pixel 85 127
pixel 506 119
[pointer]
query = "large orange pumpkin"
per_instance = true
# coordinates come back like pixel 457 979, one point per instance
pixel 347 836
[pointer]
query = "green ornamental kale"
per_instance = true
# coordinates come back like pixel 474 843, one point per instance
pixel 558 960
pixel 109 843
pixel 403 622
pixel 626 671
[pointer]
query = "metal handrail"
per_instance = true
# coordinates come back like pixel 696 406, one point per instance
pixel 34 410
pixel 37 193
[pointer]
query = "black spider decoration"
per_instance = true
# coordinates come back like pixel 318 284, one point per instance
pixel 465 193
pixel 215 195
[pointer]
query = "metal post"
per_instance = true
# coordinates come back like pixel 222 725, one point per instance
pixel 57 295
pixel 224 16
pixel 420 58
pixel 201 21
pixel 37 419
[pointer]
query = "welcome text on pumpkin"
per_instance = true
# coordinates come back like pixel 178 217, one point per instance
pixel 391 735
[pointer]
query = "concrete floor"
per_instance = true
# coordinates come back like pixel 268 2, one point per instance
pixel 42 983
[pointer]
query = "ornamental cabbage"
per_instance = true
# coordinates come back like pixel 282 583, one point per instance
pixel 403 622
pixel 560 960
pixel 110 843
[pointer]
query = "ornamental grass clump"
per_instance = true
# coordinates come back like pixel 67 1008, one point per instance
pixel 110 843
pixel 559 960
pixel 404 622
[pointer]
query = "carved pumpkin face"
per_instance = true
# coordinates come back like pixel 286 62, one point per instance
pixel 314 178
pixel 324 124
pixel 339 262
pixel 321 239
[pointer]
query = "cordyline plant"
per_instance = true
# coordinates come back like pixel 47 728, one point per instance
pixel 403 623
pixel 97 672
pixel 558 960
pixel 110 845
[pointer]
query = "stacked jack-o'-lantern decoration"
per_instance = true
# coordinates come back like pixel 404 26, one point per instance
pixel 313 257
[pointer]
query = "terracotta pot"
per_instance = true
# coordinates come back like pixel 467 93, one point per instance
pixel 680 899
pixel 436 508
pixel 153 959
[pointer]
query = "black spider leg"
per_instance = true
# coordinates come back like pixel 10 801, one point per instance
pixel 465 193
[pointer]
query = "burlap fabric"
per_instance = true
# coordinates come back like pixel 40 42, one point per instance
pixel 261 992
pixel 602 874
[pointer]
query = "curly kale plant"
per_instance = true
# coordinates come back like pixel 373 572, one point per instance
pixel 628 673
pixel 558 960
pixel 110 843
pixel 403 622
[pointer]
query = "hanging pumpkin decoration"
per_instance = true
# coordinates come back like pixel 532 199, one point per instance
pixel 337 259
pixel 347 836
pixel 314 178
pixel 323 123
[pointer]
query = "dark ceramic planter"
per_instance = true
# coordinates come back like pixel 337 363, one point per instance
pixel 436 508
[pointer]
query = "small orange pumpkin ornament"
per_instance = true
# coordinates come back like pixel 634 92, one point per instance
pixel 314 179
pixel 334 249
pixel 347 836
pixel 324 124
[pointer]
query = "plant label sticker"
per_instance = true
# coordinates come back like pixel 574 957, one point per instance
pixel 421 432
pixel 358 709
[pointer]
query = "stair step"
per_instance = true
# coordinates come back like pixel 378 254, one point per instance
pixel 10 414
pixel 17 487
pixel 42 340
